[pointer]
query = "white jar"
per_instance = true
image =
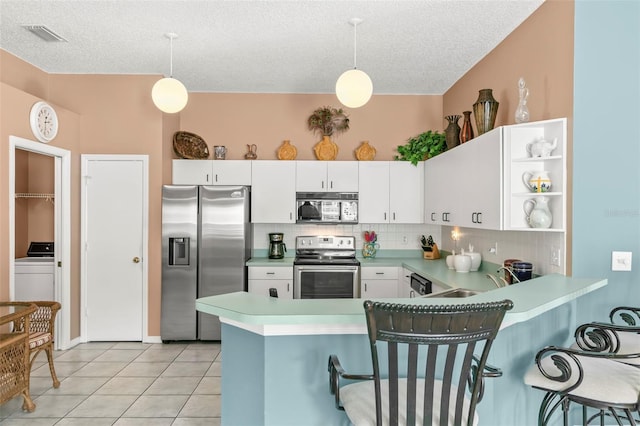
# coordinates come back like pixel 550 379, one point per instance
pixel 449 261
pixel 462 263
pixel 476 260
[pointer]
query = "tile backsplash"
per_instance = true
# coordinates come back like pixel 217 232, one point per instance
pixel 534 247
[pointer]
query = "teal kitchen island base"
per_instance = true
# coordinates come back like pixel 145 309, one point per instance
pixel 275 351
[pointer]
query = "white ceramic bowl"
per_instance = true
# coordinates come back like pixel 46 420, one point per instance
pixel 462 263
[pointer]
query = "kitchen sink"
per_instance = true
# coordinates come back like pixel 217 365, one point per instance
pixel 455 293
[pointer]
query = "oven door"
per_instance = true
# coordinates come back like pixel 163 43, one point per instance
pixel 326 281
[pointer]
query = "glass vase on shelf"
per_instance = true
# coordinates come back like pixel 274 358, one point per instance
pixel 522 112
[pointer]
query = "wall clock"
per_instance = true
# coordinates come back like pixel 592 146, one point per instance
pixel 44 122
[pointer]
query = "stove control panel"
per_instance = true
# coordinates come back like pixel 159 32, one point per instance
pixel 324 242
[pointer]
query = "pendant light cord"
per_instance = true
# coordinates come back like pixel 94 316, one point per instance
pixel 171 57
pixel 355 45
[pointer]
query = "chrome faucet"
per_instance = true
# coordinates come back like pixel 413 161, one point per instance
pixel 514 278
pixel 496 282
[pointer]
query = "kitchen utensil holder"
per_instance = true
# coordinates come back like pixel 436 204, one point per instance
pixel 431 252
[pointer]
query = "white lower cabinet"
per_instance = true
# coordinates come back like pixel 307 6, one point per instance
pixel 378 282
pixel 263 278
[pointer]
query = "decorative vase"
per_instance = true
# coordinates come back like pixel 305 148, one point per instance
pixel 369 249
pixel 287 151
pixel 522 112
pixel 485 110
pixel 365 152
pixel 452 132
pixel 466 134
pixel 326 149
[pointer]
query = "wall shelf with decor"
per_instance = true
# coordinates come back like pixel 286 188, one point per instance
pixel 534 158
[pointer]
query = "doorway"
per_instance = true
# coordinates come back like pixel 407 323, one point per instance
pixel 62 228
pixel 114 220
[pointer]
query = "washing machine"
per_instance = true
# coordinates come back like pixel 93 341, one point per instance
pixel 34 274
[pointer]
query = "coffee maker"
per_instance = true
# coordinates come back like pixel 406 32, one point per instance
pixel 277 248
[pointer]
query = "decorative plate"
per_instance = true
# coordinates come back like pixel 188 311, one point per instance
pixel 326 149
pixel 190 146
pixel 287 151
pixel 365 152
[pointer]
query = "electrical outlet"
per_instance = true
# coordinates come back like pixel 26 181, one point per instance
pixel 620 260
pixel 493 249
pixel 554 257
pixel 405 240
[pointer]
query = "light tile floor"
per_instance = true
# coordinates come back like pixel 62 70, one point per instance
pixel 124 384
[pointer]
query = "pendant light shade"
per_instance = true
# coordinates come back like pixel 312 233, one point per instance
pixel 354 87
pixel 169 95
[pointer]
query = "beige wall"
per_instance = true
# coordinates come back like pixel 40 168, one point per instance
pixel 105 114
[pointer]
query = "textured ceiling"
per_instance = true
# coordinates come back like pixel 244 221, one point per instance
pixel 268 46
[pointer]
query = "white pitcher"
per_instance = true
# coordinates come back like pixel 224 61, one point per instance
pixel 538 213
pixel 537 181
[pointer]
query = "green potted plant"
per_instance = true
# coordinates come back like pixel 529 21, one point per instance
pixel 328 120
pixel 421 147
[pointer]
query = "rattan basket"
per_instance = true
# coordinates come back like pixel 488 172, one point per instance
pixel 190 146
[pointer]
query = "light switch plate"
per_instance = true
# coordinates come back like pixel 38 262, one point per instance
pixel 621 261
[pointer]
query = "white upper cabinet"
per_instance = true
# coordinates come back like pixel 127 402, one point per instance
pixel 192 172
pixel 211 172
pixel 406 192
pixel 326 176
pixel 391 192
pixel 373 198
pixel 273 191
pixel 481 183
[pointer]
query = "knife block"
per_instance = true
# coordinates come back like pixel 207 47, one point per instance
pixel 431 253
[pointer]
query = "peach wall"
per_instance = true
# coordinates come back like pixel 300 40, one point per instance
pixel 541 51
pixel 236 120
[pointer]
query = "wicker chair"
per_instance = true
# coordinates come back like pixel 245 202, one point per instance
pixel 437 346
pixel 14 353
pixel 41 334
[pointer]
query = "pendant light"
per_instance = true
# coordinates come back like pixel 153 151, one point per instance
pixel 354 87
pixel 169 94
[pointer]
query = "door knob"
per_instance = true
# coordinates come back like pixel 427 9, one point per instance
pixel 136 259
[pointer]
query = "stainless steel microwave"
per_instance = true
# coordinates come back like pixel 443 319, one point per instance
pixel 327 207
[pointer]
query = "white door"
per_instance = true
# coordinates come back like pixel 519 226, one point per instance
pixel 114 222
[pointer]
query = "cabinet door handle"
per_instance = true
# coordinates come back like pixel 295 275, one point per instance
pixel 216 177
pixel 287 287
pixel 290 216
pixel 271 273
pixel 473 217
pixel 365 287
pixel 322 184
pixel 385 215
pixel 432 218
pixel 394 215
pixel 331 184
pixel 207 178
pixel 479 217
pixel 379 273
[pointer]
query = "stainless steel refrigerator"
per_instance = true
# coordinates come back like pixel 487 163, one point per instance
pixel 206 241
